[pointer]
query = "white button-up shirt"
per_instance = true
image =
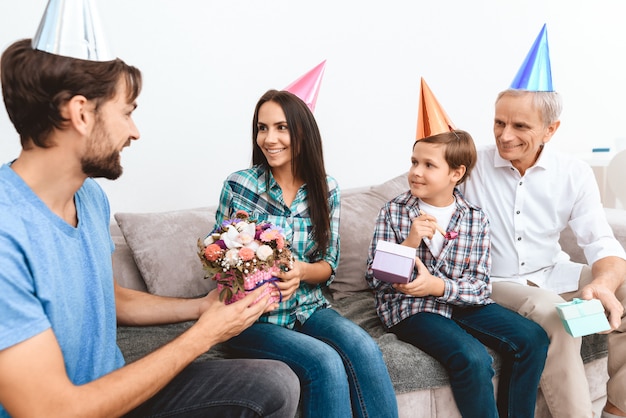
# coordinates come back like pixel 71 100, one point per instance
pixel 528 213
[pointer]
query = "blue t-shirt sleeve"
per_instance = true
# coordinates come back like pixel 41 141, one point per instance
pixel 21 313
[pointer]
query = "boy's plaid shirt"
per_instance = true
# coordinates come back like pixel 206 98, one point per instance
pixel 464 263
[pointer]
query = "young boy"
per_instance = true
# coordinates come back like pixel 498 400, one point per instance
pixel 445 309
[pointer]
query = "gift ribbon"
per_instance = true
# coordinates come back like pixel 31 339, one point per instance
pixel 273 281
pixel 580 307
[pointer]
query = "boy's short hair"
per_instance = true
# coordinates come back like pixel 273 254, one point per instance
pixel 459 150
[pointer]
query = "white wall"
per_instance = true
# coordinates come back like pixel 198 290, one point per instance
pixel 206 63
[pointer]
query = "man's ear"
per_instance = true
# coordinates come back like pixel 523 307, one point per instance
pixel 551 130
pixel 78 112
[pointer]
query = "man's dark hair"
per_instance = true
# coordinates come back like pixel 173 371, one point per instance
pixel 35 84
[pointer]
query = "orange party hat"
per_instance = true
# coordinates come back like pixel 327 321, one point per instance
pixel 431 118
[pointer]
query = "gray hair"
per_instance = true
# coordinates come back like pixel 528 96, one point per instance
pixel 549 103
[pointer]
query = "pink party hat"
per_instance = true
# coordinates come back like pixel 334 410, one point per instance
pixel 71 28
pixel 431 118
pixel 307 87
pixel 535 74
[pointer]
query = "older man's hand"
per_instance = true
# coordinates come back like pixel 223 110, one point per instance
pixel 609 301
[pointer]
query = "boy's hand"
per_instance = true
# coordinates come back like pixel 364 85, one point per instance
pixel 422 226
pixel 425 284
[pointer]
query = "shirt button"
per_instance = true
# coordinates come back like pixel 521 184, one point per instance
pixel 522 263
pixel 521 182
pixel 519 238
pixel 517 212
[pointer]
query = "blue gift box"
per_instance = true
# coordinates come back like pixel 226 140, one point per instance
pixel 393 262
pixel 583 317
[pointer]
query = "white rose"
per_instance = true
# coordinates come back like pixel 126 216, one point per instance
pixel 264 252
pixel 244 226
pixel 232 257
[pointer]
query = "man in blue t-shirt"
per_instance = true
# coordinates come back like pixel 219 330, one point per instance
pixel 59 304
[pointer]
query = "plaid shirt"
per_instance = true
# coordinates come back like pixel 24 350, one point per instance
pixel 464 262
pixel 255 191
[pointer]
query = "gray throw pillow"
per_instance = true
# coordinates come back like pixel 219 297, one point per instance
pixel 164 248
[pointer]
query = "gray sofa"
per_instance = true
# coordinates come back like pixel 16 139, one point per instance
pixel 156 252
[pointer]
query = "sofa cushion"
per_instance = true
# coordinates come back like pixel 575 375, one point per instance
pixel 359 210
pixel 136 342
pixel 164 246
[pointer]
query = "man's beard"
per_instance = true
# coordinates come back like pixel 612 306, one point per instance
pixel 108 166
pixel 94 163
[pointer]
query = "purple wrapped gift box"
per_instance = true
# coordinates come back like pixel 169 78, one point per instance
pixel 393 263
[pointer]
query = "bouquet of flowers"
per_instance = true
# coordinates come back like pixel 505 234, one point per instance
pixel 242 254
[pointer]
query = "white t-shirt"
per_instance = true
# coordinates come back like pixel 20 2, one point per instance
pixel 527 214
pixel 443 216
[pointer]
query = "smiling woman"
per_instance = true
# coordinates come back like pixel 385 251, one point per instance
pixel 340 367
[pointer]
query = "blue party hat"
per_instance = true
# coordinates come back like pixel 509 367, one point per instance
pixel 535 74
pixel 71 28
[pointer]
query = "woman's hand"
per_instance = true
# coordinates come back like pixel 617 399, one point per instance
pixel 290 280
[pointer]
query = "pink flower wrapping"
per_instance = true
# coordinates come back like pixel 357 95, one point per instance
pixel 251 282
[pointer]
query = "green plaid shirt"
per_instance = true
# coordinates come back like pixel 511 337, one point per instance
pixel 255 191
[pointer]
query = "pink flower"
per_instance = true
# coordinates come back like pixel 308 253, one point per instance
pixel 270 235
pixel 246 253
pixel 241 214
pixel 212 252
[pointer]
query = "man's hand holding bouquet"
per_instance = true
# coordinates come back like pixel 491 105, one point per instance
pixel 242 255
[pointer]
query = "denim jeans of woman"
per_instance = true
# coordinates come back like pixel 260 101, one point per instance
pixel 340 367
pixel 459 345
pixel 226 389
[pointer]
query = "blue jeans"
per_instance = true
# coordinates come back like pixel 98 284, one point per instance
pixel 227 389
pixel 459 345
pixel 340 367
